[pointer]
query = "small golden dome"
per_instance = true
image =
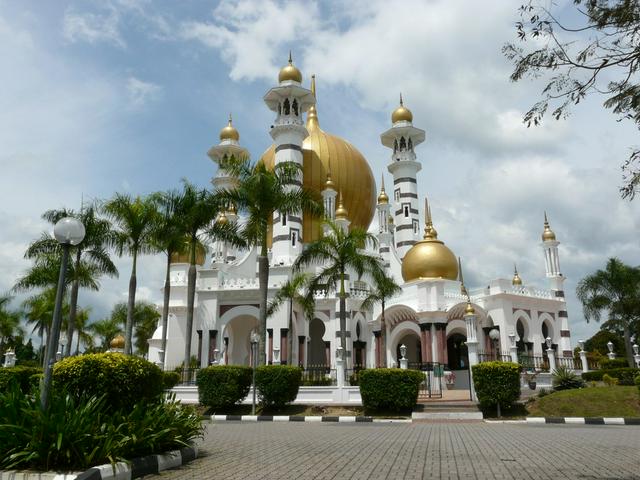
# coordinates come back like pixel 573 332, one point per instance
pixel 430 257
pixel 290 72
pixel 117 342
pixel 469 310
pixel 222 219
pixel 183 257
pixel 341 212
pixel 383 198
pixel 516 280
pixel 229 132
pixel 547 234
pixel 329 183
pixel 401 113
pixel 232 210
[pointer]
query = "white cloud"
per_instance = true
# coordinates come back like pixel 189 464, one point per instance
pixel 93 27
pixel 141 92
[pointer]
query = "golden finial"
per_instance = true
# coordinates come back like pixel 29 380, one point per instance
pixel 383 198
pixel 229 132
pixel 341 211
pixel 290 72
pixel 329 183
pixel 463 289
pixel 469 310
pixel 290 59
pixel 312 114
pixel 401 104
pixel 402 113
pixel 430 232
pixel 516 281
pixel 547 234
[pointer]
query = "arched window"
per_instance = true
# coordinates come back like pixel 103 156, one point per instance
pixel 293 239
pixel 279 108
pixel 395 145
pixel 406 211
pixel 410 144
pixel 403 144
pixel 545 330
pixel 294 105
pixel 286 108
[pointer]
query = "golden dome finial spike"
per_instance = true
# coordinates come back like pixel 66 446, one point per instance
pixel 312 113
pixel 383 198
pixel 230 118
pixel 313 84
pixel 290 58
pixel 401 104
pixel 463 288
pixel 341 212
pixel 516 280
pixel 547 233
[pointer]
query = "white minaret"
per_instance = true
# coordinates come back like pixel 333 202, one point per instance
pixel 385 237
pixel 342 215
pixel 289 100
pixel 227 150
pixel 329 195
pixel 402 138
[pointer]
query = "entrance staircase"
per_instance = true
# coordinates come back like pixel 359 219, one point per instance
pixel 450 407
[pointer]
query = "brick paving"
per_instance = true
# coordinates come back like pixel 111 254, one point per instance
pixel 236 451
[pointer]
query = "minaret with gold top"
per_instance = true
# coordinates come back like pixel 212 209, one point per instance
pixel 385 236
pixel 289 100
pixel 227 150
pixel 402 138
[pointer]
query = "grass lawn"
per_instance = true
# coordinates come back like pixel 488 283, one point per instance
pixel 588 402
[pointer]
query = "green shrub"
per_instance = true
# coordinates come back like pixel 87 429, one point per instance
pixel 637 381
pixel 389 388
pixel 20 375
pixel 354 378
pixel 543 392
pixel 222 386
pixel 625 376
pixel 124 379
pixel 77 433
pixel 496 383
pixel 278 384
pixel 170 379
pixel 608 364
pixel 563 378
pixel 609 381
pixel 316 381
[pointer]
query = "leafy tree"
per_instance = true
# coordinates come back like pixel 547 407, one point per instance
pixel 259 193
pixel 38 310
pixel 337 253
pixel 9 322
pixel 106 330
pixel 598 342
pixel 145 320
pixel 81 326
pixel 134 219
pixel 598 54
pixel 90 258
pixel 293 293
pixel 382 289
pixel 615 291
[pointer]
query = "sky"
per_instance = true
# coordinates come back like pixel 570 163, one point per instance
pixel 105 96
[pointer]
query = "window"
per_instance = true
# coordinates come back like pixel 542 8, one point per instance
pixel 284 218
pixel 287 108
pixel 403 144
pixel 415 226
pixel 406 211
pixel 293 239
pixel 396 194
pixel 294 105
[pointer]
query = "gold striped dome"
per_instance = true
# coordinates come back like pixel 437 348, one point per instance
pixel 429 258
pixel 350 174
pixel 183 257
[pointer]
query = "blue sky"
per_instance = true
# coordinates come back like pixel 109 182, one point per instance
pixel 128 95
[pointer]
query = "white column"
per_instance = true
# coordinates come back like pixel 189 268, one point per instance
pixel 340 367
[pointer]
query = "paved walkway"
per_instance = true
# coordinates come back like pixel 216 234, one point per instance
pixel 414 451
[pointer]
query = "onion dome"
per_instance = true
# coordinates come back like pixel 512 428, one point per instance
pixel 350 172
pixel 290 72
pixel 401 114
pixel 329 185
pixel 383 198
pixel 469 310
pixel 222 219
pixel 429 258
pixel 229 132
pixel 516 281
pixel 547 234
pixel 341 212
pixel 117 343
pixel 183 256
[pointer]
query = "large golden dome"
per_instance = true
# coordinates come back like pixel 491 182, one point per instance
pixel 184 257
pixel 429 258
pixel 350 173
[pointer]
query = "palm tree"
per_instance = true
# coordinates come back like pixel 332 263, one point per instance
pixel 134 219
pixel 9 322
pixel 382 289
pixel 81 326
pixel 167 237
pixel 337 253
pixel 91 255
pixel 259 193
pixel 106 329
pixel 38 310
pixel 616 291
pixel 292 293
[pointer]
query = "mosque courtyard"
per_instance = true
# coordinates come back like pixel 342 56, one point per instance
pixel 266 450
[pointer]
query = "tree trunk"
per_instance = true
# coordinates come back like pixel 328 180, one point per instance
pixel 78 344
pixel 165 311
pixel 191 296
pixel 128 329
pixel 290 334
pixel 73 306
pixel 263 282
pixel 627 345
pixel 383 339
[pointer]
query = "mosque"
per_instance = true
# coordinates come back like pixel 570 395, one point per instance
pixel 428 317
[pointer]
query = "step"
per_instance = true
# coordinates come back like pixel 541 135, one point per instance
pixel 477 415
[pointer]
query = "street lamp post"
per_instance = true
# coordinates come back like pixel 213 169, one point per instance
pixel 494 335
pixel 68 232
pixel 255 338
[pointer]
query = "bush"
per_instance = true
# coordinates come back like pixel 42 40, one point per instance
pixel 278 384
pixel 124 379
pixel 608 364
pixel 609 381
pixel 170 379
pixel 625 376
pixel 637 381
pixel 496 383
pixel 389 388
pixel 543 392
pixel 316 381
pixel 20 375
pixel 354 378
pixel 564 379
pixel 222 386
pixel 75 434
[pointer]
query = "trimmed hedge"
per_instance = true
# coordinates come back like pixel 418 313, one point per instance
pixel 391 389
pixel 124 379
pixel 278 384
pixel 170 379
pixel 20 375
pixel 638 382
pixel 222 386
pixel 608 364
pixel 624 375
pixel 497 383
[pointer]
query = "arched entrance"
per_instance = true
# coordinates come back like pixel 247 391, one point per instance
pixel 317 347
pixel 457 352
pixel 411 340
pixel 238 331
